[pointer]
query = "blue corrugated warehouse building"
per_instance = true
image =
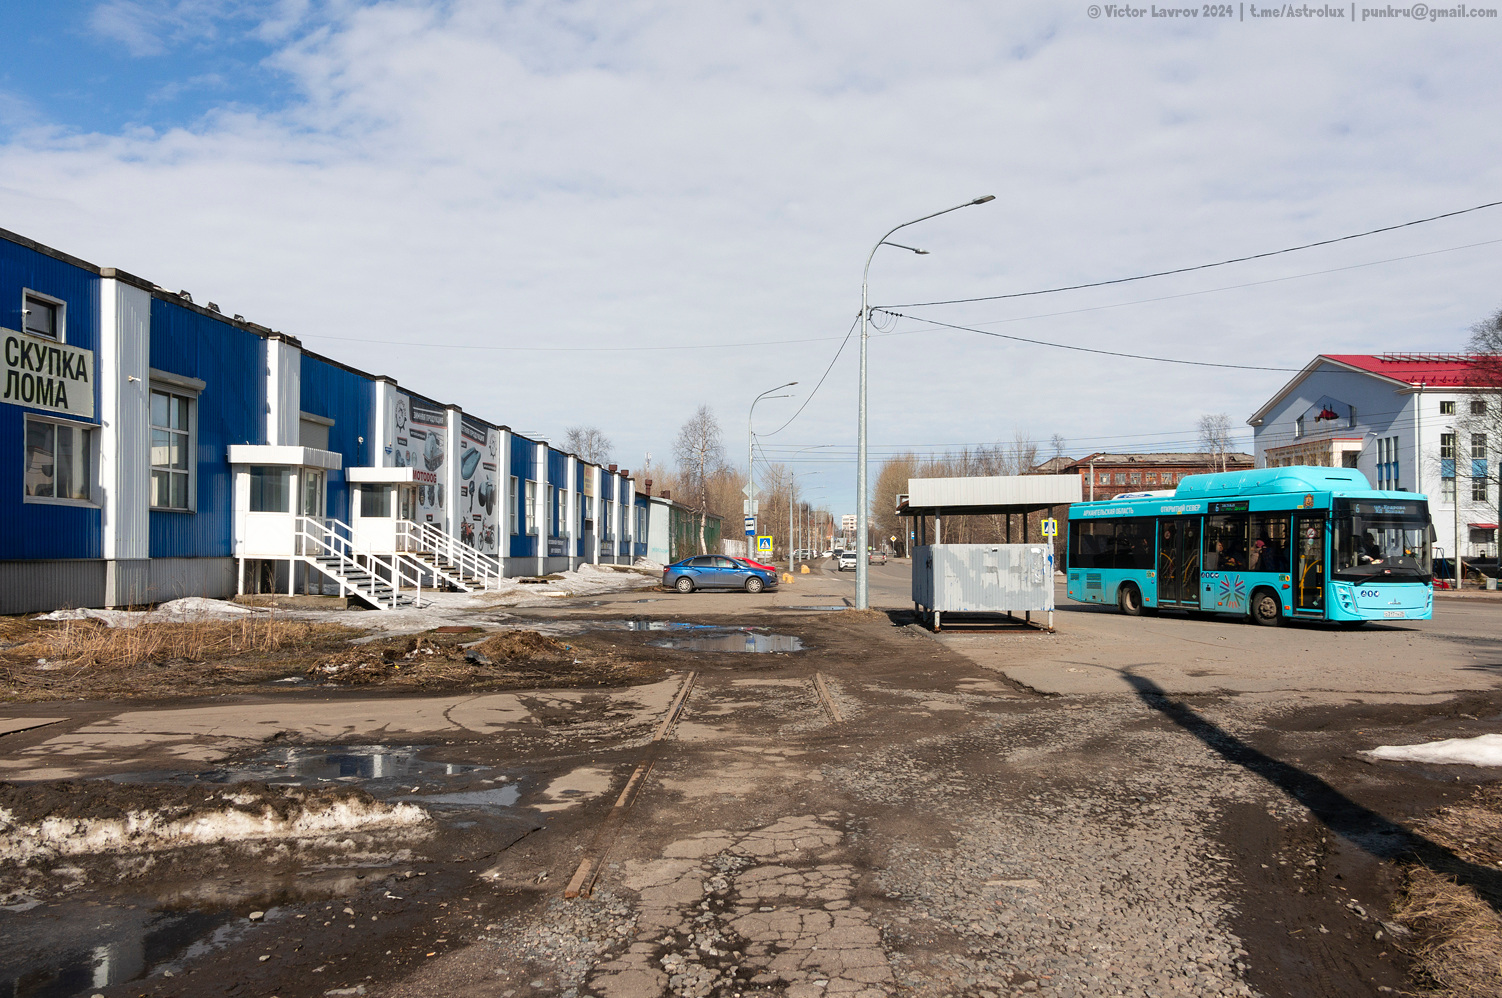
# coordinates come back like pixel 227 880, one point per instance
pixel 155 448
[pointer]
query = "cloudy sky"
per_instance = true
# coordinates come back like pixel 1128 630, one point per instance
pixel 607 213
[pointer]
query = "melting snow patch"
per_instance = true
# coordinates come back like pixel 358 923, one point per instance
pixel 187 609
pixel 1484 750
pixel 277 813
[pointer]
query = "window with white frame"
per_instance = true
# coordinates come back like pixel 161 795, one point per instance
pixel 641 524
pixel 1447 465
pixel 43 315
pixel 552 511
pixel 59 460
pixel 515 508
pixel 533 510
pixel 607 522
pixel 172 449
pixel 1479 469
pixel 1447 407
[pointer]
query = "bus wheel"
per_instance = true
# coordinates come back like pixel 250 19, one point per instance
pixel 1130 600
pixel 1265 609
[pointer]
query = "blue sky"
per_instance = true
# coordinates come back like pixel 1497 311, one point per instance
pixel 609 212
pixel 113 66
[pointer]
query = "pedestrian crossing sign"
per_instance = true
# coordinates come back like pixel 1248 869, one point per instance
pixel 764 545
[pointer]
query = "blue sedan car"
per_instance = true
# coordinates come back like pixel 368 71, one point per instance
pixel 715 571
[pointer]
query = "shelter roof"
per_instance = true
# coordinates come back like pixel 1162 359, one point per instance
pixel 994 494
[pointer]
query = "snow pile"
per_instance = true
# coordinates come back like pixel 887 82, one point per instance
pixel 178 611
pixel 236 819
pixel 586 580
pixel 1483 750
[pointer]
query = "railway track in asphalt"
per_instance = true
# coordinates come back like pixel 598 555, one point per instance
pixel 582 883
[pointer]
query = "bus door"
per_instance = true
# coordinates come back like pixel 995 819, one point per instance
pixel 1309 563
pixel 1179 561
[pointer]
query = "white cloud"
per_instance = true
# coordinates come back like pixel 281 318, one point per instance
pixel 606 174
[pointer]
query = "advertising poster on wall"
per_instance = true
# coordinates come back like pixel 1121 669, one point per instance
pixel 478 501
pixel 417 431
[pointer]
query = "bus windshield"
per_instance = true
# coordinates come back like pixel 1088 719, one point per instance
pixel 1381 539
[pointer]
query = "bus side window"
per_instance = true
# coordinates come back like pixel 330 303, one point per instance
pixel 1134 544
pixel 1092 544
pixel 1269 539
pixel 1225 543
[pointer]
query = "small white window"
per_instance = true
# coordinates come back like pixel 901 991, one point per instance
pixel 515 509
pixel 532 508
pixel 59 460
pixel 172 463
pixel 43 315
pixel 270 490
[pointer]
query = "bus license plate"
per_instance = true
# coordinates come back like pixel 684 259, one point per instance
pixel 1392 613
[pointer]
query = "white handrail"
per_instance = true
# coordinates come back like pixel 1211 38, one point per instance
pixel 469 561
pixel 333 538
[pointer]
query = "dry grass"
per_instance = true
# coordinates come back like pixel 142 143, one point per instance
pixel 506 660
pixel 1457 934
pixel 42 660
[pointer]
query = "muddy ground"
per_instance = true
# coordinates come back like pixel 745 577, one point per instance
pixel 874 814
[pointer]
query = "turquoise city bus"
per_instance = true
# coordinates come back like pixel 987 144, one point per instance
pixel 1269 545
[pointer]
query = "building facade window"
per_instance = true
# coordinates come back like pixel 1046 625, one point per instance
pixel 641 524
pixel 1121 478
pixel 1387 463
pixel 172 450
pixel 59 460
pixel 1478 407
pixel 1479 469
pixel 43 315
pixel 1447 465
pixel 515 508
pixel 1447 408
pixel 270 490
pixel 532 507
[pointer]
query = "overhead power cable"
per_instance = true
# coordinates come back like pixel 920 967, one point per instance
pixel 1080 349
pixel 1205 266
pixel 815 391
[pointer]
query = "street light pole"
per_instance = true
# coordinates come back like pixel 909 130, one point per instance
pixel 862 512
pixel 750 466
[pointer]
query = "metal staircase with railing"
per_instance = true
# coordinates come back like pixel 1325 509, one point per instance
pixel 458 565
pixel 381 581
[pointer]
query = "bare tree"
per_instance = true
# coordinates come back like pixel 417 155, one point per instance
pixel 701 456
pixel 1215 434
pixel 1479 424
pixel 589 443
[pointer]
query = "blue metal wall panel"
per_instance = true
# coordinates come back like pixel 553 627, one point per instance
pixel 44 530
pixel 607 485
pixel 557 469
pixel 523 466
pixel 349 400
pixel 231 410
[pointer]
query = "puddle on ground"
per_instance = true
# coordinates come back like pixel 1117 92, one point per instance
pixel 664 625
pixel 484 800
pixel 746 642
pixel 125 945
pixel 311 765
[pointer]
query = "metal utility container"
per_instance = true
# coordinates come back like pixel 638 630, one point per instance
pixel 983 578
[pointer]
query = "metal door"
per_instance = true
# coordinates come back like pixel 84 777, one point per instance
pixel 1179 561
pixel 1309 563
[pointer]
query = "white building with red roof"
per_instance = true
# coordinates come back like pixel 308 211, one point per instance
pixel 1393 416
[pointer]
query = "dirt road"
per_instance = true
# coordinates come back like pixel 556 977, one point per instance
pixel 1130 806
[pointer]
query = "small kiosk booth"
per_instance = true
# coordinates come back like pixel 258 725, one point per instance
pixel 984 579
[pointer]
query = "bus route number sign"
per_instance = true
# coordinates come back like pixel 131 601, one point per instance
pixel 1050 527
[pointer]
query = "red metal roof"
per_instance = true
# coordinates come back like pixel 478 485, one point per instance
pixel 1412 368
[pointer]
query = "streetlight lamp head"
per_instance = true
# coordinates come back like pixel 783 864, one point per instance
pixel 983 200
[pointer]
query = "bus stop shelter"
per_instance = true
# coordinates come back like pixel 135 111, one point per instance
pixel 981 581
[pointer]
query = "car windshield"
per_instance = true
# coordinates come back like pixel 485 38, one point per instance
pixel 1382 539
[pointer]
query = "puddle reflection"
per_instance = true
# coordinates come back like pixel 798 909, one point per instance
pixel 746 642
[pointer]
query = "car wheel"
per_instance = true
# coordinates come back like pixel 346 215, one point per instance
pixel 1265 610
pixel 1130 600
pixel 755 585
pixel 684 584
